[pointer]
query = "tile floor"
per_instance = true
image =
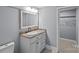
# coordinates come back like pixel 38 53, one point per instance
pixel 67 46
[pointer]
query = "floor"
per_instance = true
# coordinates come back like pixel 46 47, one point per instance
pixel 67 46
pixel 46 51
pixel 50 50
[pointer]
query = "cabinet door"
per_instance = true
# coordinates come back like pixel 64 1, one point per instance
pixel 43 44
pixel 38 46
pixel 42 41
pixel 33 47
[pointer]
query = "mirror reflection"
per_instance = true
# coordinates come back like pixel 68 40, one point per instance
pixel 29 19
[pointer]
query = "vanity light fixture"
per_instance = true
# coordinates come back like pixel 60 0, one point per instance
pixel 28 8
pixel 34 10
pixel 31 10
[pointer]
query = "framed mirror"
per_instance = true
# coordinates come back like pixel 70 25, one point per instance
pixel 29 19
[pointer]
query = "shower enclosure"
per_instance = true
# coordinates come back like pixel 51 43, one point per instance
pixel 67 28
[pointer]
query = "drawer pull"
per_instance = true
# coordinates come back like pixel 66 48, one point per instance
pixel 37 43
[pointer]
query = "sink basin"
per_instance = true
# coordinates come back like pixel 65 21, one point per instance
pixel 33 33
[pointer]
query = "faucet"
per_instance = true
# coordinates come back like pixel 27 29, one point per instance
pixel 29 29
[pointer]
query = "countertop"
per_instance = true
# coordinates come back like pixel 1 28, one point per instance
pixel 33 33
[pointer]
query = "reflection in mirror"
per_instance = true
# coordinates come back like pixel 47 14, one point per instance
pixel 28 19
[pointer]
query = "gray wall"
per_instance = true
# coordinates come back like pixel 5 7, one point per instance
pixel 9 26
pixel 47 20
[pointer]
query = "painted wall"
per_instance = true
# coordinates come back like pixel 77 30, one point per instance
pixel 47 20
pixel 9 26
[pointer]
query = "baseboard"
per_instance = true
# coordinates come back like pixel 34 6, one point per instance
pixel 54 49
pixel 77 46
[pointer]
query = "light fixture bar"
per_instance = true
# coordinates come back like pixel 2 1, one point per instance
pixel 32 10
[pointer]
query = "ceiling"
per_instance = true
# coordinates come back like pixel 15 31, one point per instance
pixel 39 7
pixel 23 7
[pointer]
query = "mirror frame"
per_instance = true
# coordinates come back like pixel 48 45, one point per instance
pixel 21 19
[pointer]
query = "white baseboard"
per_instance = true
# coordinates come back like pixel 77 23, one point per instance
pixel 54 49
pixel 77 46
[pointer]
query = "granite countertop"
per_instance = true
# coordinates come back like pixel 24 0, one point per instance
pixel 33 33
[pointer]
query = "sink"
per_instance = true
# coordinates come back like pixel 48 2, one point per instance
pixel 33 33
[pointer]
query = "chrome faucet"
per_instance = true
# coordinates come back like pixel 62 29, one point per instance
pixel 29 29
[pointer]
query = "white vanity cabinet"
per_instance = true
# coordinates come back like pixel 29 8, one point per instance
pixel 33 44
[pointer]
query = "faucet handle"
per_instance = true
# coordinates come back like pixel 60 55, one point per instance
pixel 29 29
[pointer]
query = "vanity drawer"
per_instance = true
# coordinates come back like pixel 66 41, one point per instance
pixel 32 40
pixel 43 41
pixel 42 36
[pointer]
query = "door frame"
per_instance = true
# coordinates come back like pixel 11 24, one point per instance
pixel 58 34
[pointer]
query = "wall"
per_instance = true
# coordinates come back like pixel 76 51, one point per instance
pixel 9 26
pixel 47 20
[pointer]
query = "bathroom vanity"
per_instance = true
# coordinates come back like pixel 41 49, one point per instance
pixel 32 39
pixel 33 42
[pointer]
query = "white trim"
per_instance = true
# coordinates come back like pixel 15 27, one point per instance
pixel 77 46
pixel 77 24
pixel 65 8
pixel 21 19
pixel 57 29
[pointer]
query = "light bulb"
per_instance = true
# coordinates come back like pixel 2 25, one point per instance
pixel 32 10
pixel 28 8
